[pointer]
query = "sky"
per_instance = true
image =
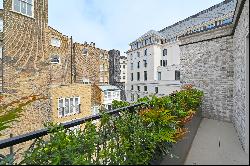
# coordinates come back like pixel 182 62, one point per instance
pixel 113 24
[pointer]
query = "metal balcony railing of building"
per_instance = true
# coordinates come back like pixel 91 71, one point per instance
pixel 8 143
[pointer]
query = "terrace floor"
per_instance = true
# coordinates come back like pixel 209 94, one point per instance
pixel 205 149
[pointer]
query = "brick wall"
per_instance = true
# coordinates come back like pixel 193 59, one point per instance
pixel 240 63
pixel 87 66
pixel 60 73
pixel 74 90
pixel 209 66
pixel 26 71
pixel 104 61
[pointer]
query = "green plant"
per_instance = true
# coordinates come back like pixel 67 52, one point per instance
pixel 10 112
pixel 132 138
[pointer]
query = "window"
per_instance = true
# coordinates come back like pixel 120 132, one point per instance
pixel 23 6
pixel 138 76
pixel 95 110
pixel 85 51
pixel 146 52
pixel 101 79
pixel 159 76
pixel 68 106
pixel 145 88
pixel 165 52
pixel 132 87
pixel 132 97
pixel 164 63
pixel 132 76
pixel 145 75
pixel 101 67
pixel 138 65
pixel 1 24
pixel 145 63
pixel 1 52
pixel 124 66
pixel 109 95
pixel 124 77
pixel 138 96
pixel 55 59
pixel 156 90
pixel 132 66
pixel 177 75
pixel 1 4
pixel 55 42
pixel 138 88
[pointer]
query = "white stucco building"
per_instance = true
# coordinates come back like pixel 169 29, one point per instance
pixel 153 67
pixel 154 58
pixel 123 68
pixel 110 94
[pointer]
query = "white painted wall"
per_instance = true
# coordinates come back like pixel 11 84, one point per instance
pixel 154 57
pixel 123 62
pixel 115 95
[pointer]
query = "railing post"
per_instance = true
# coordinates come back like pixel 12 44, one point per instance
pixel 11 147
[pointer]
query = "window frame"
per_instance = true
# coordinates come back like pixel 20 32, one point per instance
pixel 20 11
pixel 156 90
pixel 159 76
pixel 138 76
pixel 75 108
pixel 145 75
pixel 59 59
pixel 58 45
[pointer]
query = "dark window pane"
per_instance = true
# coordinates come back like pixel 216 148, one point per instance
pixel 177 75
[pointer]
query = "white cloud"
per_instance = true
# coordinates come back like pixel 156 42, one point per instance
pixel 113 24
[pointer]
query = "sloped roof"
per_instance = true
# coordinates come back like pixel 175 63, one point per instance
pixel 150 33
pixel 108 88
pixel 211 13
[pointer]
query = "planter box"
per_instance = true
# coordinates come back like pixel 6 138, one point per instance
pixel 182 148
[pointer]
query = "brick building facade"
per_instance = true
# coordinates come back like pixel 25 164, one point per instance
pixel 116 63
pixel 217 62
pixel 39 60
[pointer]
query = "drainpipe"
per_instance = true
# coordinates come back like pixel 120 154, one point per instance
pixel 71 60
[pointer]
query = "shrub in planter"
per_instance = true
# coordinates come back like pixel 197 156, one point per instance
pixel 134 138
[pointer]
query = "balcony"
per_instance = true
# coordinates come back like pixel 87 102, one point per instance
pixel 136 134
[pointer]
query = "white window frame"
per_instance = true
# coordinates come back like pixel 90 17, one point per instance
pixel 1 24
pixel 1 4
pixel 55 42
pixel 85 52
pixel 95 110
pixel 72 108
pixel 20 12
pixel 55 62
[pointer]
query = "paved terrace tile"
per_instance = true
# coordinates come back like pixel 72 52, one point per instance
pixel 216 143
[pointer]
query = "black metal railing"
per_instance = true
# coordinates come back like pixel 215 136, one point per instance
pixel 43 132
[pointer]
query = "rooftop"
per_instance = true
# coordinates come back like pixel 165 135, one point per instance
pixel 108 88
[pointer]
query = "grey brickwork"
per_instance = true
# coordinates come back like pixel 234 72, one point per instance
pixel 115 72
pixel 209 66
pixel 216 62
pixel 239 115
pixel 114 66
